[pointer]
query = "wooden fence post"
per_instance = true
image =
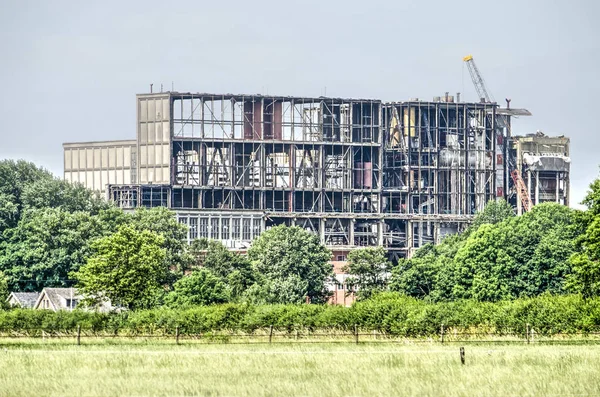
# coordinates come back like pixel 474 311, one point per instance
pixel 527 335
pixel 79 335
pixel 442 333
pixel 270 334
pixel 177 334
pixel 356 333
pixel 462 355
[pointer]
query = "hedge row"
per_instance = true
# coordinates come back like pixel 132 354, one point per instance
pixel 389 313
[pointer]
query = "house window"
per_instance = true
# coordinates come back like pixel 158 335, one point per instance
pixel 341 258
pixel 71 303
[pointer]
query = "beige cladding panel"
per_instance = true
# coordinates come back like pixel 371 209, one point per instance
pixel 166 110
pixel 127 157
pixel 151 110
pixel 68 159
pixel 143 110
pixel 151 133
pixel 119 155
pixel 159 135
pixel 143 157
pixel 151 155
pixel 143 133
pixel 166 132
pixel 104 157
pixel 82 164
pixel 126 177
pixel 89 159
pixel 74 159
pixel 165 154
pixel 97 181
pixel 158 154
pixel 97 158
pixel 143 175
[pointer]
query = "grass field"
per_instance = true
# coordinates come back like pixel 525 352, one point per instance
pixel 55 368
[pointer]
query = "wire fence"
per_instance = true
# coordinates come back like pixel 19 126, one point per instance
pixel 272 335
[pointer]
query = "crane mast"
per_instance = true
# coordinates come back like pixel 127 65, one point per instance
pixel 478 81
pixel 503 122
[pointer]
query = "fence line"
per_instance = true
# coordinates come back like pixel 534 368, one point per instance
pixel 272 336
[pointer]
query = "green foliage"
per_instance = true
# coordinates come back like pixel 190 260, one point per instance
pixel 493 213
pixel 201 287
pixel 127 268
pixel 369 269
pixel 162 221
pixel 46 245
pixel 390 313
pixel 24 186
pixel 4 292
pixel 293 263
pixel 592 199
pixel 516 257
pixel 585 278
pixel 233 269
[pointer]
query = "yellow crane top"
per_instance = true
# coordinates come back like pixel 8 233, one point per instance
pixel 468 58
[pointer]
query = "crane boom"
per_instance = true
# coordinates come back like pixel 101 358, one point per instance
pixel 521 190
pixel 478 81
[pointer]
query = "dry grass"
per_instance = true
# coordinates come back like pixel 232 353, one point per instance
pixel 57 368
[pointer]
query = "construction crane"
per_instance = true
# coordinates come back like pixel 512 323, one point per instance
pixel 478 81
pixel 502 120
pixel 521 190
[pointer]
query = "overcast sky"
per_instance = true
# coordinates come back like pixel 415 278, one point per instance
pixel 69 70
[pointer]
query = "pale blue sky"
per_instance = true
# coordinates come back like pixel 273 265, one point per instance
pixel 70 70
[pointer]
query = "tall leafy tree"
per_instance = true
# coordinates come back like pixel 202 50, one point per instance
pixel 232 268
pixel 46 245
pixel 585 262
pixel 201 287
pixel 127 267
pixel 369 270
pixel 4 291
pixel 293 265
pixel 505 257
pixel 162 221
pixel 585 278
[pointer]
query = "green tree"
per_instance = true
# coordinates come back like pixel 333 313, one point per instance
pixel 417 276
pixel 495 211
pixel 232 268
pixel 46 245
pixel 127 267
pixel 162 221
pixel 369 270
pixel 585 276
pixel 504 257
pixel 4 291
pixel 201 287
pixel 592 198
pixel 24 186
pixel 293 264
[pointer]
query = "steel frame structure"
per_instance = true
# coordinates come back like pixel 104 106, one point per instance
pixel 357 172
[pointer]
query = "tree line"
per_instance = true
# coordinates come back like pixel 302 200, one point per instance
pixel 56 234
